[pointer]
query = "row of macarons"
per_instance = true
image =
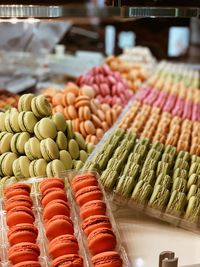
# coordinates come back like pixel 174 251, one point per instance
pixel 144 173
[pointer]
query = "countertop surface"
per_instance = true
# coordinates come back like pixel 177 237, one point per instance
pixel 145 238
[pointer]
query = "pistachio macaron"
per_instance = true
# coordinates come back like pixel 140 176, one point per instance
pixel 59 121
pixel 18 142
pixel 69 129
pixel 38 168
pixel 6 163
pixel 66 159
pixel 54 168
pixel 27 121
pixel 2 121
pixel 61 141
pixel 77 164
pixel 5 139
pixel 21 167
pixel 49 149
pixel 73 149
pixel 40 106
pixel 24 103
pixel 11 121
pixel 32 149
pixel 80 140
pixel 89 147
pixel 45 128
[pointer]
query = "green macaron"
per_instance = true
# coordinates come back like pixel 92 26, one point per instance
pixel 159 197
pixel 193 209
pixel 89 147
pixel 27 121
pixel 11 121
pixel 77 164
pixel 194 168
pixel 73 149
pixel 193 179
pixel 193 159
pixel 38 168
pixel 83 155
pixel 54 168
pixel 176 203
pixel 59 121
pixel 154 154
pixel 149 177
pixel 142 192
pixel 167 158
pixel 80 140
pixel 179 184
pixel 69 129
pixel 21 167
pixel 32 149
pixel 163 167
pixel 2 121
pixel 158 146
pixel 109 178
pixel 66 159
pixel 6 162
pixel 24 103
pixel 182 164
pixel 18 142
pixel 5 139
pixel 170 150
pixel 193 191
pixel 180 173
pixel 40 107
pixel 49 149
pixel 163 180
pixel 61 141
pixel 183 155
pixel 45 128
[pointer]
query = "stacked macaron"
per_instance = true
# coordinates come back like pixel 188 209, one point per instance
pixel 88 116
pixel 22 234
pixel 109 86
pixel 33 142
pixel 96 224
pixel 63 246
pixel 134 75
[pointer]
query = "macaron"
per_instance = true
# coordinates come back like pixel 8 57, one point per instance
pixel 53 193
pixel 66 159
pixel 6 162
pixel 18 142
pixel 193 191
pixel 109 178
pixel 55 207
pixel 107 259
pixel 59 121
pixel 83 155
pixel 27 121
pixel 68 260
pixel 193 179
pixel 80 140
pixel 2 121
pixel 11 121
pixel 193 209
pixel 32 149
pixel 18 200
pixel 21 167
pixel 77 164
pixel 163 180
pixel 92 208
pixel 38 168
pixel 18 215
pixel 176 203
pixel 54 167
pixel 59 225
pixel 24 232
pixel 63 245
pixel 69 129
pixel 45 128
pixel 40 106
pixel 28 264
pixel 87 194
pixel 180 173
pixel 24 103
pixel 94 222
pixel 142 192
pixel 159 197
pixel 101 240
pixel 73 149
pixel 25 251
pixel 179 184
pixel 51 183
pixel 61 141
pixel 5 140
pixel 17 189
pixel 83 180
pixel 49 149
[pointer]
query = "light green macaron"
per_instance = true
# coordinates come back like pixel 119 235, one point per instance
pixel 77 164
pixel 61 141
pixel 21 167
pixel 37 168
pixel 80 140
pixel 83 155
pixel 66 159
pixel 2 121
pixel 54 168
pixel 6 163
pixel 142 192
pixel 24 103
pixel 59 121
pixel 49 149
pixel 193 179
pixel 69 129
pixel 32 149
pixel 45 128
pixel 11 121
pixel 73 149
pixel 27 121
pixel 89 147
pixel 5 139
pixel 40 107
pixel 18 142
pixel 176 203
pixel 179 184
pixel 193 209
pixel 159 197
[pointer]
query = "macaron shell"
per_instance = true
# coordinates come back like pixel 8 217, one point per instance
pixel 95 207
pixel 51 182
pixel 53 193
pixel 83 181
pixel 19 215
pixel 16 189
pixel 18 200
pixel 87 194
pixel 55 207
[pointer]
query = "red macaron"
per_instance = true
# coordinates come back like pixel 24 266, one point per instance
pixel 52 194
pixel 87 194
pixel 91 208
pixel 17 189
pixel 107 259
pixel 28 264
pixel 56 207
pixel 94 222
pixel 100 240
pixel 19 200
pixel 51 182
pixel 62 245
pixel 23 252
pixel 24 232
pixel 59 225
pixel 83 180
pixel 71 260
pixel 19 215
